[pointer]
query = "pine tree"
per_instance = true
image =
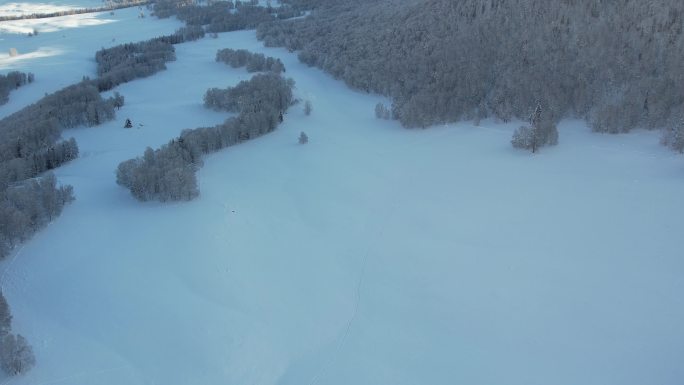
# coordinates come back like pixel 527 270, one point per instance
pixel 303 138
pixel 128 124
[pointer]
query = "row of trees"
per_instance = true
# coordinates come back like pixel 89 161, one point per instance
pixel 255 62
pixel 11 81
pixel 36 163
pixel 30 145
pixel 168 173
pixel 77 11
pixel 125 62
pixel 27 206
pixel 167 8
pixel 38 126
pixel 264 92
pixel 222 16
pixel 616 64
pixel 16 355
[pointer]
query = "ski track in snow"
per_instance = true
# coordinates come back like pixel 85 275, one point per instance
pixel 379 235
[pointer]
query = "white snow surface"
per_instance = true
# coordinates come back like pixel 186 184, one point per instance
pixel 46 6
pixel 372 255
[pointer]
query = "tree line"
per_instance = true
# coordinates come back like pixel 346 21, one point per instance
pixel 30 145
pixel 254 62
pixel 16 355
pixel 222 16
pixel 126 62
pixel 78 11
pixel 168 173
pixel 615 64
pixel 11 81
pixel 30 138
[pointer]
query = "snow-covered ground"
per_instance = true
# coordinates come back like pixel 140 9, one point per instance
pixel 45 6
pixel 371 255
pixel 64 50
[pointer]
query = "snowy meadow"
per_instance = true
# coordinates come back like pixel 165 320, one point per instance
pixel 373 254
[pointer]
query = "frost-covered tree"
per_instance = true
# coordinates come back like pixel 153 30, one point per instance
pixel 617 64
pixel 542 131
pixel 5 317
pixel 16 355
pixel 523 137
pixel 12 81
pixel 673 136
pixel 307 108
pixel 118 101
pixel 125 62
pixel 381 111
pixel 303 138
pixel 254 62
pixel 168 173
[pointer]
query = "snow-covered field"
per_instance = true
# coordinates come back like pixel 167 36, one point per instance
pixel 371 255
pixel 64 50
pixel 45 6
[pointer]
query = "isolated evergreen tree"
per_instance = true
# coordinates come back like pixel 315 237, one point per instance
pixel 307 108
pixel 303 138
pixel 128 123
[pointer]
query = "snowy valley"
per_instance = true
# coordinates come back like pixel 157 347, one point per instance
pixel 373 254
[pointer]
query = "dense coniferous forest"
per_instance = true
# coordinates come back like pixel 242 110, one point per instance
pixel 620 65
pixel 168 173
pixel 12 81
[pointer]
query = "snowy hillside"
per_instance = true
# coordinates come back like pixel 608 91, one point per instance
pixel 371 255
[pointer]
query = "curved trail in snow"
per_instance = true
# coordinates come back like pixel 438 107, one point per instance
pixel 386 217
